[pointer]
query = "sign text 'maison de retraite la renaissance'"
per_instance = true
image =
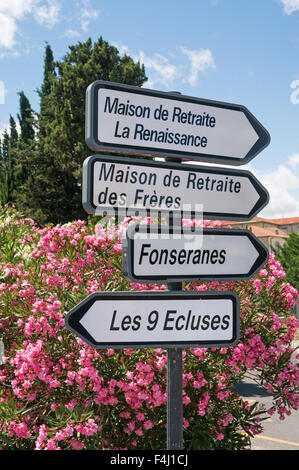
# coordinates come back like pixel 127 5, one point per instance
pixel 142 134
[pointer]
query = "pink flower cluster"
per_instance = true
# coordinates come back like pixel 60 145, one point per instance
pixel 76 397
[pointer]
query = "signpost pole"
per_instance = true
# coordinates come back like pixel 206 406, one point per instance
pixel 174 381
pixel 174 391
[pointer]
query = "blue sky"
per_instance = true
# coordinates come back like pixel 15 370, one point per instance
pixel 238 51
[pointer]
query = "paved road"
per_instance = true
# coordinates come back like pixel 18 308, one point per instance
pixel 277 435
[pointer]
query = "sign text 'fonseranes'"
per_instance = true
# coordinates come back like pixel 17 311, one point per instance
pixel 153 254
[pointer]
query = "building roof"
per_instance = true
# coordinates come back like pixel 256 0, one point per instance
pixel 261 232
pixel 249 222
pixel 285 221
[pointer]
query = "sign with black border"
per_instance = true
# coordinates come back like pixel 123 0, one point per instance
pixel 153 319
pixel 137 186
pixel 164 254
pixel 141 121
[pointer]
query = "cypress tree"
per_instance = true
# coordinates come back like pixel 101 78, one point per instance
pixel 4 168
pixel 54 194
pixel 23 155
pixel 49 74
pixel 12 160
pixel 26 119
pixel 14 136
pixel 2 175
pixel 8 163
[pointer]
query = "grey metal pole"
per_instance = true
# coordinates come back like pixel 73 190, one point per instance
pixel 174 391
pixel 174 382
pixel 174 372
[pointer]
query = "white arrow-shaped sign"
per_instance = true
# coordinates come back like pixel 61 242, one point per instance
pixel 133 186
pixel 156 319
pixel 148 122
pixel 153 254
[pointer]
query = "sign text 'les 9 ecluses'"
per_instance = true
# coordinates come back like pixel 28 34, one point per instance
pixel 156 319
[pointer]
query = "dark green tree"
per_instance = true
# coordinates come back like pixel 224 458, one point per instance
pixel 14 136
pixel 2 176
pixel 5 146
pixel 12 161
pixel 9 162
pixel 49 74
pixel 4 168
pixel 288 256
pixel 26 119
pixel 54 193
pixel 24 151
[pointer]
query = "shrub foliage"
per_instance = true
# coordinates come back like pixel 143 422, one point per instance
pixel 59 393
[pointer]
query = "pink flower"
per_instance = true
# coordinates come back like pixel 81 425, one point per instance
pixel 131 426
pixel 59 436
pixel 220 436
pixel 21 430
pixel 118 247
pixel 77 445
pixel 41 437
pixel 71 405
pixel 89 429
pixel 51 445
pixel 185 423
pixel 148 424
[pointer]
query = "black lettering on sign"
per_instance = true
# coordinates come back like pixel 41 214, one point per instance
pixel 164 256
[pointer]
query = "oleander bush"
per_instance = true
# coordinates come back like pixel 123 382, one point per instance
pixel 59 393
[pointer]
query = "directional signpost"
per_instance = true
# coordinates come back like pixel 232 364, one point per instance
pixel 140 121
pixel 154 255
pixel 156 319
pixel 131 186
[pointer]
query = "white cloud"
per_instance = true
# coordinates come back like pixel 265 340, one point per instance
pixel 10 12
pixel 293 160
pixel 3 128
pixel 163 71
pixel 160 69
pixel 8 29
pixel 87 13
pixel 280 183
pixel 17 8
pixel 290 6
pixel 3 92
pixel 45 12
pixel 122 48
pixel 48 15
pixel 71 33
pixel 200 61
